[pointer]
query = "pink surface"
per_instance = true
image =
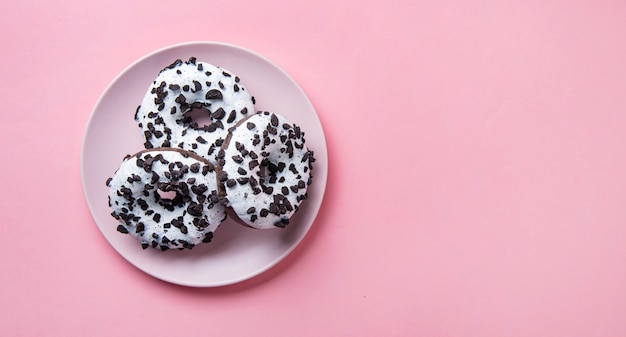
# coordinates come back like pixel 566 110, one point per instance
pixel 477 169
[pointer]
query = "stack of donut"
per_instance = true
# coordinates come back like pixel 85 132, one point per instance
pixel 253 167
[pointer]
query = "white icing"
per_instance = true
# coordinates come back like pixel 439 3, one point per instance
pixel 162 128
pixel 279 147
pixel 125 196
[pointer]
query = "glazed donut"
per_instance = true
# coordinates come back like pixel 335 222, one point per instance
pixel 166 198
pixel 264 169
pixel 181 87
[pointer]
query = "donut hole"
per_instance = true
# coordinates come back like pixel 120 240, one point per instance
pixel 169 196
pixel 268 171
pixel 198 118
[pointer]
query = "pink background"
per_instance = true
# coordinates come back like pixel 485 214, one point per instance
pixel 477 169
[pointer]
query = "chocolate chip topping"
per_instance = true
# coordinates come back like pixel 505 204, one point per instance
pixel 213 94
pixel 218 114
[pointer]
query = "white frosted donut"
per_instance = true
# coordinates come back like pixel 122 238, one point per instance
pixel 166 198
pixel 181 87
pixel 264 169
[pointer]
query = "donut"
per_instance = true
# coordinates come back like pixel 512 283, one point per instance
pixel 264 169
pixel 183 86
pixel 166 198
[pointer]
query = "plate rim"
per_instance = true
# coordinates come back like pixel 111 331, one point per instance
pixel 323 182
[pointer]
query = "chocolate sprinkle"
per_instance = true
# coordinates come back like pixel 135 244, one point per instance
pixel 222 176
pixel 208 237
pixel 213 94
pixel 231 116
pixel 218 114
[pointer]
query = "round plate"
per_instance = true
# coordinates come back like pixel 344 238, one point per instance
pixel 236 253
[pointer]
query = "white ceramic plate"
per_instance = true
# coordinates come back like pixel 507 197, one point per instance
pixel 236 253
